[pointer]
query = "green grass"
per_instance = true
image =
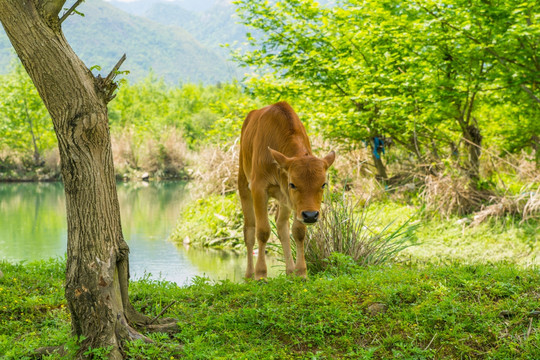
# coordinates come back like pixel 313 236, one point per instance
pixel 447 311
pixel 495 240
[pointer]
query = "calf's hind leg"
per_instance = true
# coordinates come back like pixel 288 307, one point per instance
pixel 262 228
pixel 249 221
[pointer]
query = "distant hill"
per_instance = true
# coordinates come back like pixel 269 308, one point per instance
pixel 139 7
pixel 213 27
pixel 106 32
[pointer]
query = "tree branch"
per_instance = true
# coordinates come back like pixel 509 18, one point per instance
pixel 162 312
pixel 70 10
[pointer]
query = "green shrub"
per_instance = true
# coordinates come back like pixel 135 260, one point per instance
pixel 215 221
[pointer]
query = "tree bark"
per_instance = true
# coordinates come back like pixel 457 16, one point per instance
pixel 97 256
pixel 473 144
pixel 37 155
pixel 381 169
pixel 377 161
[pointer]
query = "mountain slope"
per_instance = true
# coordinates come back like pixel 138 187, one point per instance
pixel 139 7
pixel 106 32
pixel 213 27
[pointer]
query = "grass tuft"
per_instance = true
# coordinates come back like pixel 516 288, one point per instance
pixel 349 228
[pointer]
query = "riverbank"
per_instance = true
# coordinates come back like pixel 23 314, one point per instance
pixel 42 174
pixel 216 222
pixel 407 310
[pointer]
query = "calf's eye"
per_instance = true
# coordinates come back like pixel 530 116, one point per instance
pixel 292 186
pixel 324 185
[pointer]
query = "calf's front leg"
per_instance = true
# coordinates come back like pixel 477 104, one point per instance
pixel 299 234
pixel 282 224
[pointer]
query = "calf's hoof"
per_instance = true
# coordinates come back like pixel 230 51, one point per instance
pixel 301 274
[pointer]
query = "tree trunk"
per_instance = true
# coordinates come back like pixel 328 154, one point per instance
pixel 97 256
pixel 37 156
pixel 535 143
pixel 376 155
pixel 474 143
pixel 381 169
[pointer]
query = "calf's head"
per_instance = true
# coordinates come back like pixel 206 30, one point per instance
pixel 306 182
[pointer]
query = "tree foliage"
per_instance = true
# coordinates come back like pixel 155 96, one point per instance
pixel 422 72
pixel 151 108
pixel 145 112
pixel 25 124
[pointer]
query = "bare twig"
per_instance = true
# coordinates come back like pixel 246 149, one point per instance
pixel 162 312
pixel 107 85
pixel 70 11
pixel 529 329
pixel 428 345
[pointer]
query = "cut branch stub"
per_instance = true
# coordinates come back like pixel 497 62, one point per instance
pixel 107 86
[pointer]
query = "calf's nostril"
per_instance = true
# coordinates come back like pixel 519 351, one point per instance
pixel 310 216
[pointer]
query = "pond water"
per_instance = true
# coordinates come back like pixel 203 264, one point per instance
pixel 33 227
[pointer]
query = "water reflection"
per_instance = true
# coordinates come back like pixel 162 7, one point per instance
pixel 32 221
pixel 33 227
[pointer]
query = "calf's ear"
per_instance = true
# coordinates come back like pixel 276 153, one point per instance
pixel 282 161
pixel 329 159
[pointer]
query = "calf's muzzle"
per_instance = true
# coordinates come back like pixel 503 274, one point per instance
pixel 310 217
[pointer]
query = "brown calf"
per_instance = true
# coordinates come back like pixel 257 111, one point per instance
pixel 276 161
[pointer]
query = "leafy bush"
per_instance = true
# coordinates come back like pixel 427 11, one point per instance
pixel 214 221
pixel 349 228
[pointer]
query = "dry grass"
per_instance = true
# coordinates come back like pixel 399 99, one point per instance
pixel 525 205
pixel 216 169
pixel 123 151
pixel 352 171
pixel 165 158
pixel 9 159
pixel 51 161
pixel 522 165
pixel 452 194
pixel 16 166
